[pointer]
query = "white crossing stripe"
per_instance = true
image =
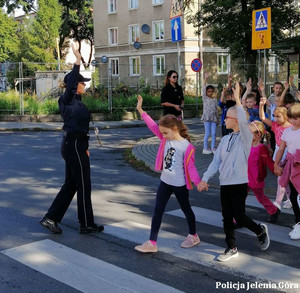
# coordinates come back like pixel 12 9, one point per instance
pixel 81 271
pixel 205 254
pixel 214 218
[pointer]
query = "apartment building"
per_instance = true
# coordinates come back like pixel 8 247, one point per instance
pixel 133 41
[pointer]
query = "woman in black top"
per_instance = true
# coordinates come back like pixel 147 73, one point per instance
pixel 74 150
pixel 172 98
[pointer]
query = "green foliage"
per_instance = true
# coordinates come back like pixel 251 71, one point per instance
pixel 9 102
pixel 8 38
pixel 31 105
pixel 77 23
pixel 38 37
pixel 11 5
pixel 49 106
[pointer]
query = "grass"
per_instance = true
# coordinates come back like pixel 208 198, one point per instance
pixel 137 164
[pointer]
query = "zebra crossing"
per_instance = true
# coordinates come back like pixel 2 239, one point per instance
pixel 70 266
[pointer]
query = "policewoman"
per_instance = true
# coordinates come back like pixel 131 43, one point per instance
pixel 74 150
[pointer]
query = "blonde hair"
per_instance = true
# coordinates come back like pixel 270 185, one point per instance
pixel 259 127
pixel 170 121
pixel 294 111
pixel 283 111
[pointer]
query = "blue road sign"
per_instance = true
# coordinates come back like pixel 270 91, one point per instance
pixel 196 65
pixel 261 20
pixel 176 29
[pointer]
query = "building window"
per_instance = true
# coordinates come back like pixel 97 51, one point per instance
pixel 134 33
pixel 112 6
pixel 135 66
pixel 159 65
pixel 273 64
pixel 158 30
pixel 223 63
pixel 133 4
pixel 113 36
pixel 157 2
pixel 114 65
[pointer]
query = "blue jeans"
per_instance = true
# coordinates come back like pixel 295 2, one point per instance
pixel 210 129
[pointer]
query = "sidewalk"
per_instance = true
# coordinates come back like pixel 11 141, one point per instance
pixel 146 149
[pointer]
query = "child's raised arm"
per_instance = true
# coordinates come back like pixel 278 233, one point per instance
pixel 281 100
pixel 262 115
pixel 248 89
pixel 139 104
pixel 236 94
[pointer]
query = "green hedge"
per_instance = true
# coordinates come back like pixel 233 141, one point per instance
pixel 10 103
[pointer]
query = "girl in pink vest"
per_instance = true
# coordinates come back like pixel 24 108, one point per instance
pixel 176 160
pixel 258 161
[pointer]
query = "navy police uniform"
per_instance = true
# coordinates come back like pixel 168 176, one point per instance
pixel 74 150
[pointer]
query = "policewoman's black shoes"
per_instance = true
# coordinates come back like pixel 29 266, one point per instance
pixel 91 229
pixel 50 225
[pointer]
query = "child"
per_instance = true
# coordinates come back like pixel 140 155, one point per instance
pixel 249 102
pixel 290 173
pixel 278 127
pixel 176 159
pixel 273 100
pixel 231 160
pixel 259 159
pixel 226 101
pixel 286 98
pixel 210 116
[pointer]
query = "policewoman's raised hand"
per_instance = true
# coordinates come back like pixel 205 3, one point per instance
pixel 75 49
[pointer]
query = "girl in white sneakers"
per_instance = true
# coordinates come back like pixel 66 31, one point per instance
pixel 176 159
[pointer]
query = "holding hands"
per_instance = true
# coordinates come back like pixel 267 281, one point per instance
pixel 202 186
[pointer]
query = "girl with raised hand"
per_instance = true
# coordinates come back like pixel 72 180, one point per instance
pixel 176 160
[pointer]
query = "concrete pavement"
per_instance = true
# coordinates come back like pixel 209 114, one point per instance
pixel 146 149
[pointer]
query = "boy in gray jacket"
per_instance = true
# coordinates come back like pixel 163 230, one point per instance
pixel 231 160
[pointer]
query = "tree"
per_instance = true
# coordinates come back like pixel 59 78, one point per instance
pixel 77 24
pixel 229 25
pixel 8 39
pixel 38 35
pixel 11 5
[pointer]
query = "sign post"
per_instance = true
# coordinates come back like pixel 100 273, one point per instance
pixel 196 66
pixel 175 17
pixel 261 29
pixel 261 34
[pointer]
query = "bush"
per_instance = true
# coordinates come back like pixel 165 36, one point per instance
pixel 9 102
pixel 96 103
pixel 49 106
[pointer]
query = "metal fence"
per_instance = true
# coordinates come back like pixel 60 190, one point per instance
pixel 43 80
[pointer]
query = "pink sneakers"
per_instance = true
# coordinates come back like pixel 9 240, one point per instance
pixel 190 241
pixel 146 247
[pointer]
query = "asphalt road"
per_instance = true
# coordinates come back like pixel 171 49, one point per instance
pixel 31 172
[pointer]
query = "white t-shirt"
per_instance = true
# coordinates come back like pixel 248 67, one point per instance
pixel 292 139
pixel 173 164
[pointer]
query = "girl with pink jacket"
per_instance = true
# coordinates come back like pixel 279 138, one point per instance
pixel 176 160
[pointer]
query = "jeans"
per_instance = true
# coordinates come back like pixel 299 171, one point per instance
pixel 210 129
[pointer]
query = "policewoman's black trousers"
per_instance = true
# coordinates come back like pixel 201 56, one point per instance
pixel 77 179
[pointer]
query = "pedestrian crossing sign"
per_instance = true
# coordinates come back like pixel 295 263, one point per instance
pixel 261 29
